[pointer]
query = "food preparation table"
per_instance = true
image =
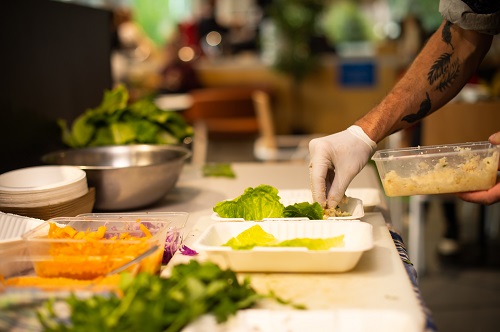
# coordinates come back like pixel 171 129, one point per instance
pixel 380 294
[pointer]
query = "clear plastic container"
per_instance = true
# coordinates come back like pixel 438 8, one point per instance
pixel 438 169
pixel 120 238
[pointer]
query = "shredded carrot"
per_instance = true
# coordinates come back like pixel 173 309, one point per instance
pixel 95 256
pixel 41 282
pixel 145 230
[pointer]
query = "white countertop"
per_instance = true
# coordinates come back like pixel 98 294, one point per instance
pixel 376 296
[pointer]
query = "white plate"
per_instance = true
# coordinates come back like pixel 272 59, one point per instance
pixel 39 178
pixel 358 237
pixel 42 186
pixel 354 206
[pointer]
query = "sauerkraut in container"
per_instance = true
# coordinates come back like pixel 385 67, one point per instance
pixel 438 169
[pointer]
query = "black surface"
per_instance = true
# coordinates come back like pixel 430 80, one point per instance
pixel 55 63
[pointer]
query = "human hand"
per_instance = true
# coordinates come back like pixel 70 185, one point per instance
pixel 335 160
pixel 485 197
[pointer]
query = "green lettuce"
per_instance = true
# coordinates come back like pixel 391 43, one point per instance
pixel 254 204
pixel 313 211
pixel 116 122
pixel 255 236
pixel 264 202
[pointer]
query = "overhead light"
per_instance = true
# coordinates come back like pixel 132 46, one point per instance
pixel 213 38
pixel 186 53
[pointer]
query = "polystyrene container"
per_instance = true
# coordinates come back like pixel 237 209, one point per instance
pixel 438 169
pixel 358 238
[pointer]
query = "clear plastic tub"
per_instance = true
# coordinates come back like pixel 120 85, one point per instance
pixel 105 243
pixel 438 169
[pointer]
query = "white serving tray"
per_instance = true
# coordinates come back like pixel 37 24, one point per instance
pixel 354 206
pixel 358 238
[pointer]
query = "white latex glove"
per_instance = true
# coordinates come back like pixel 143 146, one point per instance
pixel 335 160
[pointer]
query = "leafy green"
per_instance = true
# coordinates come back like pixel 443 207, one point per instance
pixel 313 211
pixel 254 204
pixel 116 122
pixel 219 170
pixel 264 202
pixel 256 236
pixel 251 237
pixel 314 243
pixel 152 303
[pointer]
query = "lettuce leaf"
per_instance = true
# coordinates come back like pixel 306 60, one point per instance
pixel 314 243
pixel 116 122
pixel 254 204
pixel 251 237
pixel 313 211
pixel 255 236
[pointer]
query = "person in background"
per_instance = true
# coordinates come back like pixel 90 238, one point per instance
pixel 450 57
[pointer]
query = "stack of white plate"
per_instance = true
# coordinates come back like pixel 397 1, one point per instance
pixel 46 192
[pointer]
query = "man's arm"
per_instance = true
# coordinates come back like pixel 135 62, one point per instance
pixel 439 72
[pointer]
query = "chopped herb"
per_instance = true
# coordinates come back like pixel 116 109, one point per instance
pixel 218 170
pixel 151 303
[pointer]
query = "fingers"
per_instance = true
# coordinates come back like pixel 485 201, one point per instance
pixel 495 138
pixel 485 197
pixel 318 171
pixel 317 175
pixel 337 191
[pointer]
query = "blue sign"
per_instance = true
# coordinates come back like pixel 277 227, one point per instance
pixel 357 74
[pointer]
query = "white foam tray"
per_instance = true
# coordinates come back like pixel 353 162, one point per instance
pixel 12 227
pixel 358 238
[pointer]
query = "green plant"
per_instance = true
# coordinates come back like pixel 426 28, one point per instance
pixel 297 23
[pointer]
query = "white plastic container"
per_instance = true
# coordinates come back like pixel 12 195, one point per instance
pixel 358 238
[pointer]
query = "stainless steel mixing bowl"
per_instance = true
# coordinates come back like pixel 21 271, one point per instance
pixel 126 176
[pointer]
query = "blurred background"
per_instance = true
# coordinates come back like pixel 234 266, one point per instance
pixel 320 64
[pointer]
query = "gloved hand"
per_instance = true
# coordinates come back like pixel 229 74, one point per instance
pixel 335 160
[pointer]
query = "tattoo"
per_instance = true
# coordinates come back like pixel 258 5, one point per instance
pixel 451 75
pixel 424 110
pixel 444 71
pixel 439 68
pixel 446 34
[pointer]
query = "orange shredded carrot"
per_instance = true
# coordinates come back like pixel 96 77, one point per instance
pixel 93 257
pixel 145 230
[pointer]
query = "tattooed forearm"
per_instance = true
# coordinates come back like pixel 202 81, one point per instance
pixel 441 76
pixel 444 70
pixel 446 34
pixel 425 108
